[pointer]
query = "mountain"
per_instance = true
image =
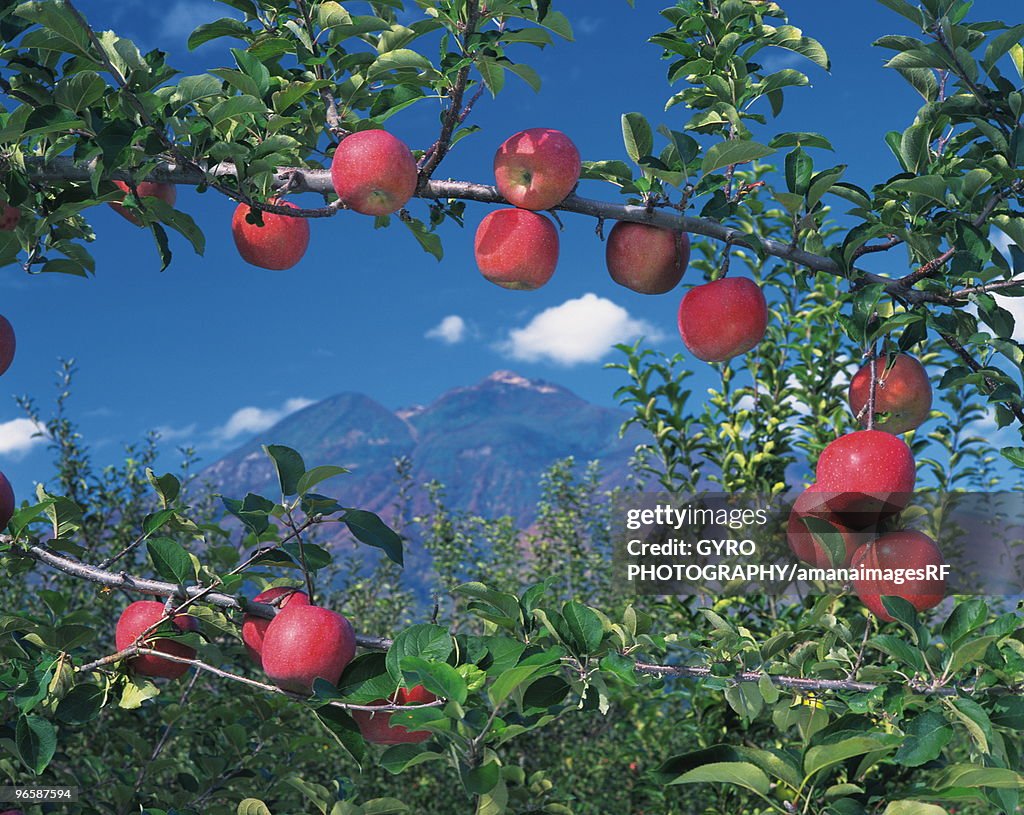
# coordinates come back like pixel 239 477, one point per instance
pixel 488 444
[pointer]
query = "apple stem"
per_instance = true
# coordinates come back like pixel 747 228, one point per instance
pixel 723 269
pixel 873 361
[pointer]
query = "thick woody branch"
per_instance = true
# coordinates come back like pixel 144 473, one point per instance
pixel 455 114
pixel 142 585
pixel 159 588
pixel 990 384
pixel 141 650
pixel 63 169
pixel 792 682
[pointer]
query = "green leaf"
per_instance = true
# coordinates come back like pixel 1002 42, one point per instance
pixel 481 780
pixel 317 475
pixel 584 627
pixel 371 530
pixel 401 59
pixel 511 680
pixel 36 740
pixel 429 241
pixel 191 89
pixel 971 651
pixel 637 136
pixel 826 755
pixel 822 183
pixel 1015 455
pixel 1000 45
pixel 79 91
pixel 60 28
pixel 923 81
pixel 401 757
pixel 731 152
pixel 792 39
pixel 971 775
pixel 493 75
pixel 739 773
pixel 926 736
pixel 800 140
pixel 440 678
pixel 494 802
pixel 252 806
pixel 224 27
pixel 340 724
pixel 913 807
pixel 167 487
pixel 289 466
pixel 430 642
pixel 253 511
pixel 557 23
pixel 911 12
pixel 383 806
pixel 170 560
pixel 81 704
pixel 237 107
pixel 527 74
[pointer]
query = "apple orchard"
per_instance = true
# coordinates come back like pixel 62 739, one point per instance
pixel 169 651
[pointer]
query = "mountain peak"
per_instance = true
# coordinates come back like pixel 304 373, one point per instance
pixel 512 379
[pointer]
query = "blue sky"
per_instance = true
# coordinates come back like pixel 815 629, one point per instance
pixel 213 349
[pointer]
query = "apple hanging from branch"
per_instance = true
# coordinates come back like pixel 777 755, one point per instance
pixel 139 616
pixel 377 727
pixel 646 259
pixel 304 642
pixel 902 391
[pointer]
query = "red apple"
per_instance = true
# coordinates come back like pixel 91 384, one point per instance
pixel 255 628
pixel 7 503
pixel 516 249
pixel 167 193
pixel 373 172
pixel 7 344
pixel 869 474
pixel 139 616
pixel 722 319
pixel 304 642
pixel 537 168
pixel 377 727
pixel 902 390
pixel 812 504
pixel 646 259
pixel 279 244
pixel 9 221
pixel 905 549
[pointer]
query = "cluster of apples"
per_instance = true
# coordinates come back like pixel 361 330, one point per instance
pixel 517 247
pixel 867 476
pixel 301 643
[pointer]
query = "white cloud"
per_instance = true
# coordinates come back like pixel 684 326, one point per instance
pixel 451 330
pixel 578 331
pixel 255 420
pixel 187 15
pixel 169 433
pixel 18 438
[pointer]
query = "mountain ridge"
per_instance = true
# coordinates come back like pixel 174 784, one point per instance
pixel 488 443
